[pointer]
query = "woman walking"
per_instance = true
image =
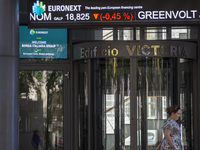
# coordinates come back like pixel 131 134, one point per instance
pixel 172 130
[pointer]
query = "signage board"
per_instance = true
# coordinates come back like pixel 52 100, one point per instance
pixel 135 49
pixel 75 13
pixel 42 43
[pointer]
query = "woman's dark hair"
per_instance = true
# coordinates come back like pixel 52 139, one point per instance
pixel 172 109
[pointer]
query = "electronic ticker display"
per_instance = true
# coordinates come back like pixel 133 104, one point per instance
pixel 51 13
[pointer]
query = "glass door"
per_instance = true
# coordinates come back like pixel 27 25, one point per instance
pixel 122 102
pixel 104 110
pixel 155 92
pixel 186 103
pixel 41 108
pixel 113 78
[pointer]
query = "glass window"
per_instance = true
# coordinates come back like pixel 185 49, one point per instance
pixel 135 33
pixel 126 34
pixel 41 108
pixel 155 33
pixel 180 32
pixel 107 34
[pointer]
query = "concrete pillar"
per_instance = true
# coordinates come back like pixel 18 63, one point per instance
pixel 9 84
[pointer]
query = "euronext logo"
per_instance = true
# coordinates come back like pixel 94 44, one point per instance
pixel 38 8
pixel 32 32
pixel 39 12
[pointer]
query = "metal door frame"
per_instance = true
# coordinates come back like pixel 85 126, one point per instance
pixel 67 97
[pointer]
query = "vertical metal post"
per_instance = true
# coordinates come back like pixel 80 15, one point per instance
pixel 144 94
pixel 176 82
pixel 90 108
pixel 76 111
pixel 121 34
pixel 142 33
pixel 115 34
pixel 134 33
pixel 117 116
pixel 168 33
pixel 196 97
pixel 133 103
pixel 9 77
pixel 71 77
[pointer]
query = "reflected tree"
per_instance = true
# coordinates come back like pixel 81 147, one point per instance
pixel 46 86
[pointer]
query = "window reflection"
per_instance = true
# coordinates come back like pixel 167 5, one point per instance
pixel 116 96
pixel 164 106
pixel 107 34
pixel 41 108
pixel 110 103
pixel 151 108
pixel 180 32
pixel 136 33
pixel 155 33
pixel 155 85
pixel 186 103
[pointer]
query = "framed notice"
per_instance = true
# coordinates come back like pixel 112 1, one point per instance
pixel 42 43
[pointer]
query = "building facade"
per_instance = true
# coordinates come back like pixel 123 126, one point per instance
pixel 102 84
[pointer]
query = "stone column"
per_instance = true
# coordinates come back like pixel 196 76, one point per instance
pixel 9 79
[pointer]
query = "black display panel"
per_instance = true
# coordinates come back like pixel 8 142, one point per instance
pixel 76 13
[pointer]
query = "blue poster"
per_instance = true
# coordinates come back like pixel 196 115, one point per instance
pixel 42 43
